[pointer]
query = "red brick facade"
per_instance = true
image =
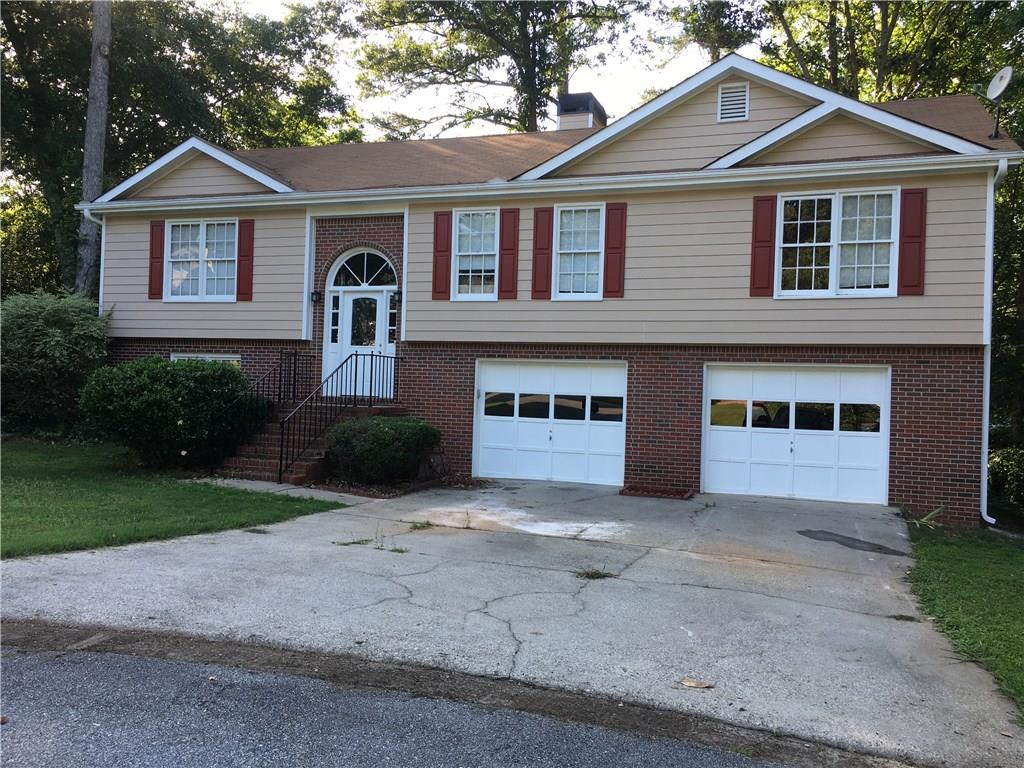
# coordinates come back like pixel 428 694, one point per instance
pixel 258 355
pixel 335 236
pixel 935 419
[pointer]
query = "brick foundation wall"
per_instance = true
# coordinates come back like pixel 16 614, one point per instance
pixel 935 418
pixel 335 236
pixel 258 355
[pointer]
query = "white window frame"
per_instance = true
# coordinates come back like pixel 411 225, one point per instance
pixel 746 99
pixel 556 254
pixel 455 295
pixel 202 297
pixel 834 291
pixel 234 359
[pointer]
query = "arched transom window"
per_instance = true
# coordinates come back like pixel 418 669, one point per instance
pixel 364 268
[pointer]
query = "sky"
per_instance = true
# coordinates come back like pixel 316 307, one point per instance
pixel 618 84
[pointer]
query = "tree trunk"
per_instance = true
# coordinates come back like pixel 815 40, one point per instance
pixel 833 48
pixel 95 139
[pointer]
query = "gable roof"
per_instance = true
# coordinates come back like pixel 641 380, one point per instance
pixel 427 162
pixel 184 152
pixel 734 64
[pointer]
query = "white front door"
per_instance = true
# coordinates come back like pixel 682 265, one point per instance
pixel 359 321
pixel 551 421
pixel 806 432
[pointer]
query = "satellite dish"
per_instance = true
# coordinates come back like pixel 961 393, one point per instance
pixel 995 94
pixel 999 83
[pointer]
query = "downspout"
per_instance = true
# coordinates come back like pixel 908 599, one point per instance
pixel 986 396
pixel 87 213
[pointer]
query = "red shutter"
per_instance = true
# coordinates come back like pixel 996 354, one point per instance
pixel 762 250
pixel 913 204
pixel 543 232
pixel 246 228
pixel 614 250
pixel 442 255
pixel 156 259
pixel 508 253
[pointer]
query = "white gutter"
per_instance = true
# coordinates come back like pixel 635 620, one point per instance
pixel 641 182
pixel 986 396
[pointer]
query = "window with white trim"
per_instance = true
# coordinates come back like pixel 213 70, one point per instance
pixel 475 270
pixel 578 261
pixel 836 244
pixel 202 259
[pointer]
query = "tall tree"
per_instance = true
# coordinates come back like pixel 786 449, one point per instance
pixel 717 27
pixel 527 49
pixel 181 69
pixel 95 141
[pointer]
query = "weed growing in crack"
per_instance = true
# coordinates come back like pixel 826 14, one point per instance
pixel 352 542
pixel 593 573
pixel 398 550
pixel 420 525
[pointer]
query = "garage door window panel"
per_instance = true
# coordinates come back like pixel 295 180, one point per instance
pixel 860 417
pixel 605 408
pixel 571 407
pixel 729 413
pixel 501 404
pixel 769 414
pixel 819 417
pixel 837 244
pixel 534 406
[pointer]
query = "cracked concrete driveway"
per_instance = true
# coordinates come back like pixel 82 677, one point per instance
pixel 797 612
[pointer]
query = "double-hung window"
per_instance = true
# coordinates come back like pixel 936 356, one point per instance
pixel 476 255
pixel 202 259
pixel 837 244
pixel 578 252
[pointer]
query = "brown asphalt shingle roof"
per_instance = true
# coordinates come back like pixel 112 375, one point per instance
pixel 463 160
pixel 962 115
pixel 478 159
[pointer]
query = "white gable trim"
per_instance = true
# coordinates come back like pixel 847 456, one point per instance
pixel 734 64
pixel 179 155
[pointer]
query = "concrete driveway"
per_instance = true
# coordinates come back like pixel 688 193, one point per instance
pixel 796 612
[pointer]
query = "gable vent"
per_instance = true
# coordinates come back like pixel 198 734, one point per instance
pixel 733 102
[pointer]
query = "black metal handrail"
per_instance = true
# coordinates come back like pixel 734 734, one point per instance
pixel 282 383
pixel 362 379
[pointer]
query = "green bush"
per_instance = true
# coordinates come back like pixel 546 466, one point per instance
pixel 381 449
pixel 185 413
pixel 50 346
pixel 1006 474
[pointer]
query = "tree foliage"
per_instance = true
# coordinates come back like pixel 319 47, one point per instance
pixel 528 49
pixel 717 27
pixel 177 69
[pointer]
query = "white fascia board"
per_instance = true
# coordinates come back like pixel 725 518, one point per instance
pixel 641 182
pixel 736 64
pixel 192 145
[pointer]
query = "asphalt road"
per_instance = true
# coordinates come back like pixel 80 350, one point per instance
pixel 89 709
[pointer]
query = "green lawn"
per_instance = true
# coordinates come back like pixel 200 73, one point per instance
pixel 973 584
pixel 58 497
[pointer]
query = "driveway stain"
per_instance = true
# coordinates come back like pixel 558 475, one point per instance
pixel 852 543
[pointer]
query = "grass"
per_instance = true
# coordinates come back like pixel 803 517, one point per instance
pixel 420 525
pixel 972 584
pixel 593 573
pixel 62 497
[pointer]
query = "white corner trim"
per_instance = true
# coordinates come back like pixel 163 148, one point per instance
pixel 307 266
pixel 405 271
pixel 193 145
pixel 736 64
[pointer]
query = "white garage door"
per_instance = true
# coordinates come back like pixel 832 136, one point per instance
pixel 551 421
pixel 807 432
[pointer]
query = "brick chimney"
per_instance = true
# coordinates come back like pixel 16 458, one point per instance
pixel 580 110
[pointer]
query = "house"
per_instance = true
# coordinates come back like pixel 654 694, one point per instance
pixel 748 285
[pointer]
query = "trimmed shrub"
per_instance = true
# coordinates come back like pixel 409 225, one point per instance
pixel 381 449
pixel 50 346
pixel 185 413
pixel 1006 474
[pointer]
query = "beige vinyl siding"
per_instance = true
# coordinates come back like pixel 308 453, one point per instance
pixel 689 135
pixel 275 311
pixel 202 175
pixel 839 138
pixel 687 281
